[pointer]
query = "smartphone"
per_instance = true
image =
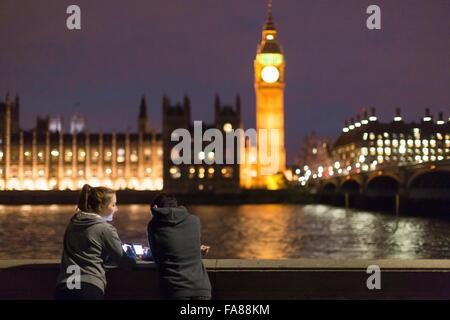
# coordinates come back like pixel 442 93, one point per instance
pixel 138 249
pixel 125 247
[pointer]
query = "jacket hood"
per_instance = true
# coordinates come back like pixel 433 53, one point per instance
pixel 85 219
pixel 170 215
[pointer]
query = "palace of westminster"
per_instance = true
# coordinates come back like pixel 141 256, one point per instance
pixel 47 158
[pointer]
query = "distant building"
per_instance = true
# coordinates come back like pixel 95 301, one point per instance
pixel 199 177
pixel 11 109
pixel 47 158
pixel 55 124
pixel 315 151
pixel 77 124
pixel 269 83
pixel 366 144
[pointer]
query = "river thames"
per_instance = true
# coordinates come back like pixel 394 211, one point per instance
pixel 268 231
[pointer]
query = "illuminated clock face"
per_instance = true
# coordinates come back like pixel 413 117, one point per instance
pixel 270 74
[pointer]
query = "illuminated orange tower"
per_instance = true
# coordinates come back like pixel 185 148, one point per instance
pixel 269 65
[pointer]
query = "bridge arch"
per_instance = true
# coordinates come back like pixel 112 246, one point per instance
pixel 329 187
pixel 351 186
pixel 383 185
pixel 430 184
pixel 424 171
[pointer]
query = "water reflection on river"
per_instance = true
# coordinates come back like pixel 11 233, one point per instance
pixel 269 231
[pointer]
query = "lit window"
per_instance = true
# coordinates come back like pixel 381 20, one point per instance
pixel 68 156
pixel 201 173
pixel 227 127
pixel 81 155
pixel 108 155
pixel 191 173
pixel 120 155
pixel 95 156
pixel 55 153
pixel 227 172
pixel 175 172
pixel 134 157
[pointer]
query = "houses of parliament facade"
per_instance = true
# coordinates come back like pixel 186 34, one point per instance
pixel 47 158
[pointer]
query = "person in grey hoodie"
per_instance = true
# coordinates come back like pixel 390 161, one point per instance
pixel 88 241
pixel 174 238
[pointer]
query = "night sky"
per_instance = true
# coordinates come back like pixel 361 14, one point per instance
pixel 335 65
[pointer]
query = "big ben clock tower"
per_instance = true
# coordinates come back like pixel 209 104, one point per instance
pixel 269 67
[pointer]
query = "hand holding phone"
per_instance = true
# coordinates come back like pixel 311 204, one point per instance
pixel 204 249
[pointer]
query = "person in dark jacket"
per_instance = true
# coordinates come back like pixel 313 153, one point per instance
pixel 88 241
pixel 174 238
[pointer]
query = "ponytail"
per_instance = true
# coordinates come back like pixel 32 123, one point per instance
pixel 83 202
pixel 92 199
